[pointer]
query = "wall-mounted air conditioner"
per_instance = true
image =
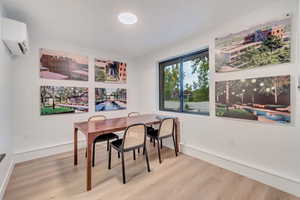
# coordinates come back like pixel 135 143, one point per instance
pixel 14 35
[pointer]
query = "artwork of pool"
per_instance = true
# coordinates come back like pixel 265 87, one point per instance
pixel 274 117
pixel 108 105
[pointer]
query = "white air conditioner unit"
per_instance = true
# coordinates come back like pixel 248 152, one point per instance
pixel 14 35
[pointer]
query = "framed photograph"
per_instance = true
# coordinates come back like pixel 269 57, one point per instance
pixel 261 45
pixel 63 100
pixel 261 99
pixel 108 99
pixel 59 65
pixel 110 71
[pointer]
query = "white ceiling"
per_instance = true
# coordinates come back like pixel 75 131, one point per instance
pixel 94 23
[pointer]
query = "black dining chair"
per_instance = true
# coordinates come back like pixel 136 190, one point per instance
pixel 134 138
pixel 149 128
pixel 166 130
pixel 102 138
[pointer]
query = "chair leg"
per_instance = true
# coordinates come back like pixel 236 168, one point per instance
pixel 153 142
pixel 123 168
pixel 139 150
pixel 94 144
pixel 158 149
pixel 147 159
pixel 86 152
pixel 144 149
pixel 107 146
pixel 118 151
pixel 133 154
pixel 175 147
pixel 109 157
pixel 161 144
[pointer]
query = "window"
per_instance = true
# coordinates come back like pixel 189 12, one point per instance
pixel 183 84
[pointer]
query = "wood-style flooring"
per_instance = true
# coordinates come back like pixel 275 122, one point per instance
pixel 177 178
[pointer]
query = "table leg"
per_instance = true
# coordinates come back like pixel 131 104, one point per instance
pixel 75 146
pixel 177 129
pixel 89 163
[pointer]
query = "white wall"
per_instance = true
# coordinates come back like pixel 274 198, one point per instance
pixel 250 147
pixel 258 147
pixel 5 113
pixel 34 132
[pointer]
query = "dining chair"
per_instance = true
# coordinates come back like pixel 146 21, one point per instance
pixel 166 130
pixel 102 138
pixel 134 137
pixel 134 114
pixel 149 128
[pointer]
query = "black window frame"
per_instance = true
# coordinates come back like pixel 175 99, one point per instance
pixel 180 59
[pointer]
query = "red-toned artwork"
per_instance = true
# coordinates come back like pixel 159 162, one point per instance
pixel 59 65
pixel 108 71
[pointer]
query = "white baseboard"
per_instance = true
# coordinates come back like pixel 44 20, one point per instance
pixel 46 151
pixel 6 179
pixel 267 177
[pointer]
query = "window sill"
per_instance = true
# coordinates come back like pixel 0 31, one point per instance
pixel 191 113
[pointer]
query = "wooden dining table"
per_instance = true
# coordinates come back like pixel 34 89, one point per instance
pixel 93 129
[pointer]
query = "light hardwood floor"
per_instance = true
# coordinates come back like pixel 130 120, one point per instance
pixel 177 178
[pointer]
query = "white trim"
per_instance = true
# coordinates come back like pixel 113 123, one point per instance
pixel 6 179
pixel 46 151
pixel 265 176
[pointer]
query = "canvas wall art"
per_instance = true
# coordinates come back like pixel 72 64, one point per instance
pixel 110 71
pixel 261 45
pixel 261 99
pixel 63 66
pixel 108 99
pixel 62 100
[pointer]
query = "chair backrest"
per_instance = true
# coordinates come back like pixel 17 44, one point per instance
pixel 166 127
pixel 97 118
pixel 135 135
pixel 133 114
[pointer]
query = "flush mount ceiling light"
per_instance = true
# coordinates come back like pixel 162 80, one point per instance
pixel 127 18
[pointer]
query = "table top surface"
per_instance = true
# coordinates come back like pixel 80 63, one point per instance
pixel 117 124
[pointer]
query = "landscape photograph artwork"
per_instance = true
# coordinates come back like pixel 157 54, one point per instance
pixel 58 65
pixel 261 45
pixel 110 71
pixel 108 99
pixel 261 99
pixel 63 100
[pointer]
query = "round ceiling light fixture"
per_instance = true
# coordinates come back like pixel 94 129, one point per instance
pixel 127 18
